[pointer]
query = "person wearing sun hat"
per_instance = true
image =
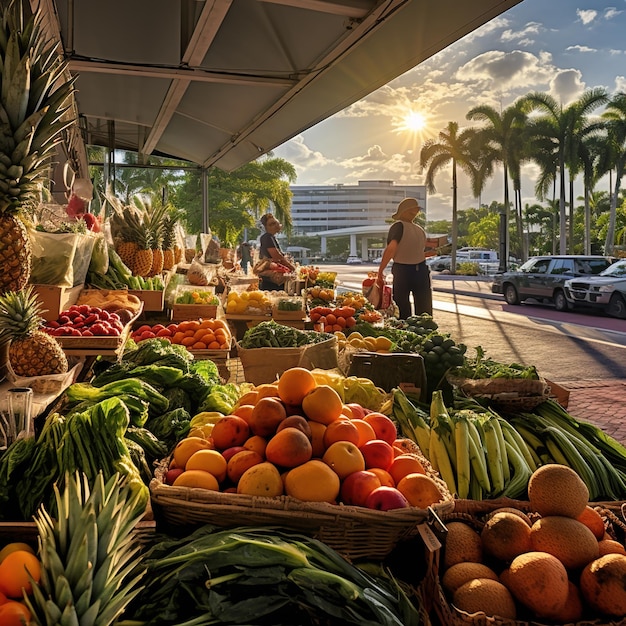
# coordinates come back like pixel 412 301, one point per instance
pixel 406 244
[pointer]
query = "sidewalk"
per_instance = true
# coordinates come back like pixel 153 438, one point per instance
pixel 600 402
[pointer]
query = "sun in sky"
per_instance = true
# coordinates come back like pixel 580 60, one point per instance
pixel 415 121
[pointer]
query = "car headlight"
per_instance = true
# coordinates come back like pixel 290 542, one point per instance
pixel 606 288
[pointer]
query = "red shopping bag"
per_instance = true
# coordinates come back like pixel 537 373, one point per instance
pixel 379 298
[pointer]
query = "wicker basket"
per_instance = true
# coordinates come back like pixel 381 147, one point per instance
pixel 355 532
pixel 475 513
pixel 510 394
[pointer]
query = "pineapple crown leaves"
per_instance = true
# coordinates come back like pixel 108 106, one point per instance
pixel 34 106
pixel 20 313
pixel 90 565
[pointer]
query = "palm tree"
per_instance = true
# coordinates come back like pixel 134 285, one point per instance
pixel 615 123
pixel 564 129
pixel 452 147
pixel 501 138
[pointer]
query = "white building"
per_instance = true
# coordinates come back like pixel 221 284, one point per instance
pixel 362 211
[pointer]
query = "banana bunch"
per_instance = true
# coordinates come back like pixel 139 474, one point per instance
pixel 479 455
pixel 34 106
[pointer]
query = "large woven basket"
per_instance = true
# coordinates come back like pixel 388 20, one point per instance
pixel 509 394
pixel 355 532
pixel 475 513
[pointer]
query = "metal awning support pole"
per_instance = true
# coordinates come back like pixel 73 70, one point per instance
pixel 205 200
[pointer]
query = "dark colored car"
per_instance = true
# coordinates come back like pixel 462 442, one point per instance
pixel 543 278
pixel 606 292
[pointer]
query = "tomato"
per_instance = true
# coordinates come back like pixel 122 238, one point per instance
pixel 146 334
pixel 345 311
pixel 173 328
pixel 314 315
pixel 157 327
pixel 164 332
pixel 143 328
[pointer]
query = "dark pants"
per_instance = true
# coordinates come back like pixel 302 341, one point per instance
pixel 265 284
pixel 412 279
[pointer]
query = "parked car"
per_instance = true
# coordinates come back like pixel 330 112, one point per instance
pixel 354 260
pixel 606 291
pixel 487 260
pixel 543 278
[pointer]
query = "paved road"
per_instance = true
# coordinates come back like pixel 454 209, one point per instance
pixel 564 346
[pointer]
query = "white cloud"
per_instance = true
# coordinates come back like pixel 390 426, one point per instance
pixel 611 12
pixel 586 16
pixel 532 28
pixel 567 85
pixel 505 71
pixel 620 83
pixel 614 52
pixel 579 48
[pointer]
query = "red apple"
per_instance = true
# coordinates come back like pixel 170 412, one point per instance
pixel 358 412
pixel 230 452
pixel 386 499
pixel 377 453
pixel 172 474
pixel 384 428
pixel 357 486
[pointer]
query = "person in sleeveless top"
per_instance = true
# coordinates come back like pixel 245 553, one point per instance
pixel 406 244
pixel 269 248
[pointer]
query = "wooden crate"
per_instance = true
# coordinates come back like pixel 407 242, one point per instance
pixel 289 316
pixel 558 393
pixel 181 312
pixel 152 300
pixel 55 299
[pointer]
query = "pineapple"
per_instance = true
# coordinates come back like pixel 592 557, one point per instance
pixel 91 563
pixel 34 112
pixel 32 352
pixel 170 223
pixel 131 235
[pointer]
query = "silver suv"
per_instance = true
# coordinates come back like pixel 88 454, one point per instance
pixel 543 278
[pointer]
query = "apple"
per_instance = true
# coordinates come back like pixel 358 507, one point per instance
pixel 230 452
pixel 377 453
pixel 386 499
pixel 357 486
pixel 357 410
pixel 383 426
pixel 172 474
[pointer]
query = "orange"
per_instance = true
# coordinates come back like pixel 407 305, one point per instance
pixel 294 384
pixel 366 432
pixel 317 439
pixel 240 462
pixel 14 614
pixel 210 461
pixel 198 479
pixel 288 448
pixel 341 430
pixel 386 479
pixel 593 521
pixel 14 571
pixel 229 431
pixel 262 479
pixel 244 410
pixel 186 447
pixel 199 345
pixel 249 397
pixel 405 464
pixel 256 443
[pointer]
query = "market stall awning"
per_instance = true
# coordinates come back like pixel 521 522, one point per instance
pixel 221 82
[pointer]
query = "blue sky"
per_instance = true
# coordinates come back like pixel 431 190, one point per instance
pixel 557 46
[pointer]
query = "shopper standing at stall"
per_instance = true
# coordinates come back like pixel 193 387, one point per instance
pixel 406 244
pixel 269 248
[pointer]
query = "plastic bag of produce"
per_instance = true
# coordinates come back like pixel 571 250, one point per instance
pixel 379 298
pixel 60 258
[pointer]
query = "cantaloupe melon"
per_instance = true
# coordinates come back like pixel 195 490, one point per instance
pixel 462 543
pixel 573 609
pixel 510 509
pixel 610 546
pixel 567 539
pixel 460 573
pixel 603 584
pixel 557 490
pixel 505 536
pixel 486 595
pixel 539 581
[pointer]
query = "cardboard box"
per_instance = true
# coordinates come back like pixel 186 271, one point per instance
pixel 55 299
pixel 558 393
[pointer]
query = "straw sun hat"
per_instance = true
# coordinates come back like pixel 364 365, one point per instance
pixel 407 205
